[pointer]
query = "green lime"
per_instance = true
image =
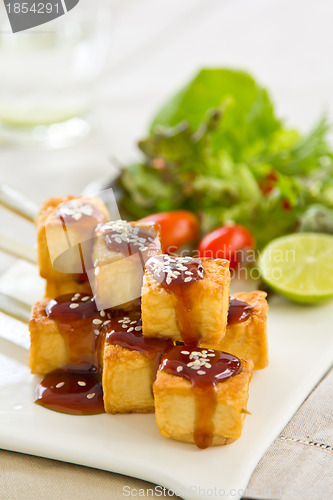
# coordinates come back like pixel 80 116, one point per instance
pixel 300 266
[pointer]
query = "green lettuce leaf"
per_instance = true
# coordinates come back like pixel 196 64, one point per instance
pixel 217 149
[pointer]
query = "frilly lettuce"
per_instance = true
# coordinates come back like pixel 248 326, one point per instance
pixel 217 149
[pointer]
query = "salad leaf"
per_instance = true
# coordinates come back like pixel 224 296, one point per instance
pixel 248 116
pixel 217 149
pixel 317 218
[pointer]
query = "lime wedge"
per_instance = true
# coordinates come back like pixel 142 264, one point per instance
pixel 300 267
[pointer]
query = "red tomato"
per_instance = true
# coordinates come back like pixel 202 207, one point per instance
pixel 225 243
pixel 177 228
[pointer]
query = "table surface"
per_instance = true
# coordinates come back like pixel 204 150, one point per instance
pixel 156 46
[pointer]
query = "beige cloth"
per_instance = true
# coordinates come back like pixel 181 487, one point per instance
pixel 297 466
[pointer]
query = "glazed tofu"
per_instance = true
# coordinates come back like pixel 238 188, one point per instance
pixel 120 251
pixel 65 333
pixel 196 399
pixel 65 286
pixel 246 337
pixel 48 348
pixel 191 306
pixel 129 367
pixel 65 229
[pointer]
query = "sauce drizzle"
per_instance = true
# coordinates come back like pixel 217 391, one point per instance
pixel 82 217
pixel 239 311
pixel 75 389
pixel 79 323
pixel 72 392
pixel 177 275
pixel 204 368
pixel 128 334
pixel 129 239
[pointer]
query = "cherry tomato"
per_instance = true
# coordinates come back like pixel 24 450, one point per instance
pixel 177 228
pixel 226 243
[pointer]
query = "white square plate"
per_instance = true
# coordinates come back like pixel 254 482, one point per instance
pixel 301 351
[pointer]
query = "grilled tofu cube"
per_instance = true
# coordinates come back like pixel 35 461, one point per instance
pixel 120 251
pixel 65 229
pixel 191 306
pixel 246 335
pixel 48 348
pixel 129 367
pixel 64 332
pixel 63 287
pixel 201 396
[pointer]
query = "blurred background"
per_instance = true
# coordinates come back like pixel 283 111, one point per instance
pixel 121 59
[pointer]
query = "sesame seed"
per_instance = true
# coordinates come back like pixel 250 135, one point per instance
pixel 201 372
pixel 130 329
pixel 91 395
pixel 60 384
pixel 211 355
pixel 124 325
pixel 137 328
pixel 97 321
pixel 102 313
pixel 96 332
pixel 186 280
pixel 184 352
pixel 208 365
pixel 82 383
pixel 73 306
pixel 84 299
pixel 107 322
pixel 179 369
pixel 133 322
